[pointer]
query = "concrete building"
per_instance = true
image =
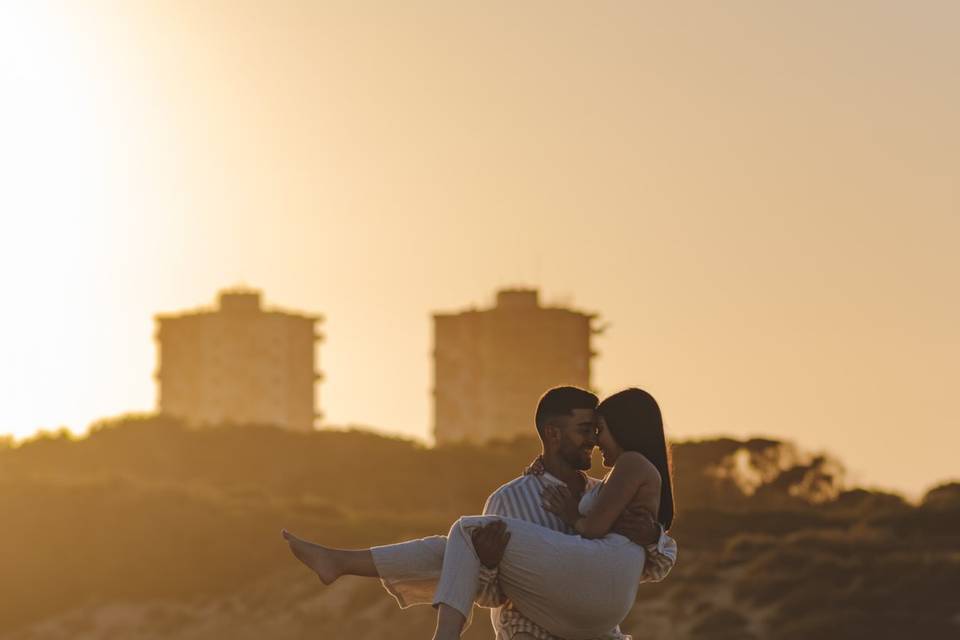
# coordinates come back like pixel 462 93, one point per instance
pixel 238 363
pixel 492 365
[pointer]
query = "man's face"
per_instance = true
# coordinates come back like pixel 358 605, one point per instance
pixel 578 437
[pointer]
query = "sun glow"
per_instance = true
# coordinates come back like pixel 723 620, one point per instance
pixel 56 161
pixel 768 229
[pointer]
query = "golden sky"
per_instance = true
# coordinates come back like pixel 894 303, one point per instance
pixel 761 198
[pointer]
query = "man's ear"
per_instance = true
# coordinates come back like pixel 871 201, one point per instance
pixel 551 432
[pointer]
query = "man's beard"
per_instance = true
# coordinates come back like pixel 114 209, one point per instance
pixel 577 458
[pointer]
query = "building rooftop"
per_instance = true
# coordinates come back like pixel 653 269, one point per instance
pixel 239 300
pixel 516 299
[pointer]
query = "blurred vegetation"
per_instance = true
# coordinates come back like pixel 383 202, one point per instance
pixel 149 529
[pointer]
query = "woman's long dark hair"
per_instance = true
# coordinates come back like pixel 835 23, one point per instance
pixel 634 420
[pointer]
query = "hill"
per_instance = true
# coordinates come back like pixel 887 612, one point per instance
pixel 148 529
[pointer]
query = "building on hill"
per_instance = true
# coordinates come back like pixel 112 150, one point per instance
pixel 238 363
pixel 492 365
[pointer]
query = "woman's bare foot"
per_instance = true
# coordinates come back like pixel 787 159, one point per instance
pixel 319 558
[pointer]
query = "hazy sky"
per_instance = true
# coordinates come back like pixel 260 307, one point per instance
pixel 761 198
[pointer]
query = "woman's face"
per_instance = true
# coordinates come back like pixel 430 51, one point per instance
pixel 609 449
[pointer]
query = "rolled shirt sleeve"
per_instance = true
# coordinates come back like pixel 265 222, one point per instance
pixel 660 558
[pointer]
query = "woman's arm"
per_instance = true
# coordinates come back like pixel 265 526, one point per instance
pixel 631 473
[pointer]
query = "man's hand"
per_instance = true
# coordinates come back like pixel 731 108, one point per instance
pixel 638 525
pixel 490 541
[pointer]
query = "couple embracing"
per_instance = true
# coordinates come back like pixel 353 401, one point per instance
pixel 557 554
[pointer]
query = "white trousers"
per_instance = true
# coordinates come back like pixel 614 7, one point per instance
pixel 573 587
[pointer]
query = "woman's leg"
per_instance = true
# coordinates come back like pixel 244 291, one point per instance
pixel 449 623
pixel 328 563
pixel 572 587
pixel 408 570
pixel 459 579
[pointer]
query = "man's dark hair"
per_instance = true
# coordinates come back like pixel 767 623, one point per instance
pixel 561 401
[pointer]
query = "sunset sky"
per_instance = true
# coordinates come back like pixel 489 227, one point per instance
pixel 762 199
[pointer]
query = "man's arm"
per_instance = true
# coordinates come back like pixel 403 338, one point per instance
pixel 639 525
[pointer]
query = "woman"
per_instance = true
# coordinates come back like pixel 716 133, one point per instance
pixel 575 587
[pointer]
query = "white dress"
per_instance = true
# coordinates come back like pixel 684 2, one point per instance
pixel 575 588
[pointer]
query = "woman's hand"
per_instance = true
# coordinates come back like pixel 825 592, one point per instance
pixel 559 499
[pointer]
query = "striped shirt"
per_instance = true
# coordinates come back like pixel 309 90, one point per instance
pixel 520 498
